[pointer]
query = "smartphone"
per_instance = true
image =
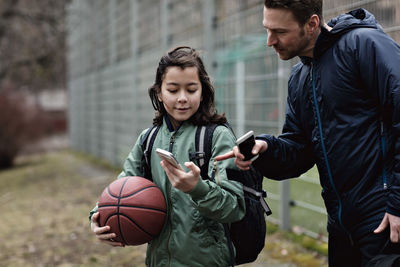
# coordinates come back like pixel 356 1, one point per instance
pixel 245 144
pixel 168 156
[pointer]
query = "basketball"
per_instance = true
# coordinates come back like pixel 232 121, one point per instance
pixel 134 208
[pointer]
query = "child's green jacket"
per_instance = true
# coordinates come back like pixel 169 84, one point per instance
pixel 193 234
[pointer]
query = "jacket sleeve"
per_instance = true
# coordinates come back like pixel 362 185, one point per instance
pixel 379 58
pixel 223 199
pixel 290 154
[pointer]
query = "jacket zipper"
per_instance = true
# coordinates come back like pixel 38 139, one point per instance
pixel 326 155
pixel 171 144
pixel 383 144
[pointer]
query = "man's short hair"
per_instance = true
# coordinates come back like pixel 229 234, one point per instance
pixel 301 9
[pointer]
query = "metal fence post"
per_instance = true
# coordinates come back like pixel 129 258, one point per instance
pixel 164 25
pixel 284 208
pixel 208 22
pixel 114 105
pixel 239 97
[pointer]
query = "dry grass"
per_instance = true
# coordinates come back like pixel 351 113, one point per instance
pixel 44 206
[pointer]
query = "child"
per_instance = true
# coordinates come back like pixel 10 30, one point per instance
pixel 193 234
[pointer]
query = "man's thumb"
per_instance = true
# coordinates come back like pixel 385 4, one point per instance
pixel 257 148
pixel 382 226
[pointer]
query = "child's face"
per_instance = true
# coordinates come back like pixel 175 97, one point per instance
pixel 181 93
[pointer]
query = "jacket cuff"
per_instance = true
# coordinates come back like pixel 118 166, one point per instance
pixel 393 206
pixel 266 138
pixel 200 190
pixel 393 212
pixel 93 211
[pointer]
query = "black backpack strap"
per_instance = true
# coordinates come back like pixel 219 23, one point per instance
pixel 203 142
pixel 230 244
pixel 260 195
pixel 200 154
pixel 147 145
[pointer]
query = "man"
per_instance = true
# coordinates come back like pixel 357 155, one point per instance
pixel 343 114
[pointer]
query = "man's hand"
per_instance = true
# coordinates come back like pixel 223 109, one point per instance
pixel 259 147
pixel 394 224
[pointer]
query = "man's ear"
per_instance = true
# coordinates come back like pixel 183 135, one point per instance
pixel 312 25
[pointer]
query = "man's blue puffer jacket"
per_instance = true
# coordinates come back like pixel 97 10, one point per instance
pixel 354 106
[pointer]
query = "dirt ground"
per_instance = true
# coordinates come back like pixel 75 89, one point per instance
pixel 44 206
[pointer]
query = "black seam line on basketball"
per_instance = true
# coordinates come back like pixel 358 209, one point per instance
pixel 120 214
pixel 150 186
pixel 119 199
pixel 138 207
pixel 111 194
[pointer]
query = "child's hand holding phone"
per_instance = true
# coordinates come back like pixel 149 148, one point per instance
pixel 168 156
pixel 184 181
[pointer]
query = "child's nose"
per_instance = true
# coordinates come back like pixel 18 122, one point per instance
pixel 182 97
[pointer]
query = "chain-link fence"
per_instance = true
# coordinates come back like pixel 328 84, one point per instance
pixel 113 51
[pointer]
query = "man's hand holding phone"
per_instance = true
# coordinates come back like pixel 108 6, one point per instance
pixel 243 144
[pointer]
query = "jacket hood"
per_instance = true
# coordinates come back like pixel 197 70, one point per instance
pixel 359 18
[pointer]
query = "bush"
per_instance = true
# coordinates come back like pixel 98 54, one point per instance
pixel 21 124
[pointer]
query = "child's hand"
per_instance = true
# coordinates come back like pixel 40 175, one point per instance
pixel 184 181
pixel 102 232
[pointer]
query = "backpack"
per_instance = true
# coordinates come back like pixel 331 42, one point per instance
pixel 246 235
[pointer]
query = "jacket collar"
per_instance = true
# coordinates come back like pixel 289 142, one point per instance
pixel 169 124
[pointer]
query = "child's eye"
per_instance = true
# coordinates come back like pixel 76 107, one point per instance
pixel 192 90
pixel 172 91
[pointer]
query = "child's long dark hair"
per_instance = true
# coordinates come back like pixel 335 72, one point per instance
pixel 183 57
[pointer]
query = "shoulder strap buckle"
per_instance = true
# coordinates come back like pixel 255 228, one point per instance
pixel 196 155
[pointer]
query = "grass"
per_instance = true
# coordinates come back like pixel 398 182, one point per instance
pixel 44 202
pixel 304 191
pixel 44 206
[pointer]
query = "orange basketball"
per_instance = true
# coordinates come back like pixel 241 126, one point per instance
pixel 134 208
